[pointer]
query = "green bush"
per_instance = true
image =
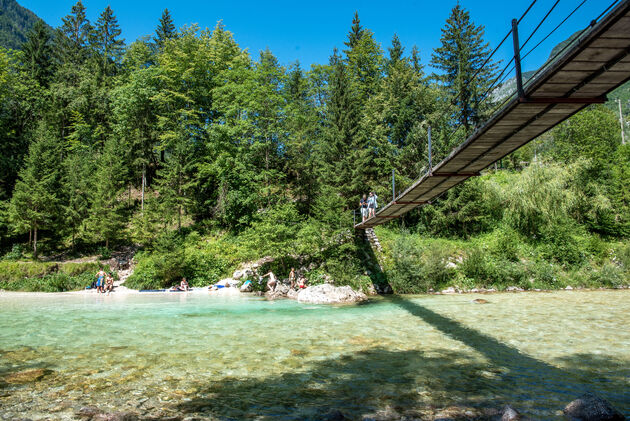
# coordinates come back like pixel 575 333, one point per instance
pixel 507 244
pixel 415 269
pixel 16 253
pixel 561 245
pixel 486 270
pixel 46 277
pixel 608 275
pixel 544 275
pixel 105 253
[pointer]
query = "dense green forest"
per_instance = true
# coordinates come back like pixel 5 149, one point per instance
pixel 207 155
pixel 15 23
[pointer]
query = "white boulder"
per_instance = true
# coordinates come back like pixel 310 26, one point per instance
pixel 330 294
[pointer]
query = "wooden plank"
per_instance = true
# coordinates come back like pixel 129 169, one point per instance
pixel 597 54
pixel 622 66
pixel 619 43
pixel 620 29
pixel 585 66
pixel 570 76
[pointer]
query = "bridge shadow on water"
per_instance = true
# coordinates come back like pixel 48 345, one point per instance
pixel 388 383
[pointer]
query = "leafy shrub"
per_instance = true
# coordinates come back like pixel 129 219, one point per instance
pixel 544 275
pixel 485 270
pixel 622 255
pixel 46 277
pixel 415 270
pixel 561 245
pixel 105 253
pixel 16 253
pixel 507 244
pixel 608 275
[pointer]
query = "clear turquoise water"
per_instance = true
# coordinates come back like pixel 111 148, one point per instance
pixel 194 355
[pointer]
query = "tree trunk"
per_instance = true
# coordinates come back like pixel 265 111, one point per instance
pixel 144 182
pixel 107 243
pixel 35 242
pixel 30 237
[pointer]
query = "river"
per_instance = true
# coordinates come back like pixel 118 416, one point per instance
pixel 192 355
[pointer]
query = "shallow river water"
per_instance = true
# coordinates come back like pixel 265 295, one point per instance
pixel 192 355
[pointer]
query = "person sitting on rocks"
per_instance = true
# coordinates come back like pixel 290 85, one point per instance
pixel 272 282
pixel 109 283
pixel 292 277
pixel 183 285
pixel 301 282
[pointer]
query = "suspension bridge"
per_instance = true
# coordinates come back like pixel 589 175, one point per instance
pixel 589 67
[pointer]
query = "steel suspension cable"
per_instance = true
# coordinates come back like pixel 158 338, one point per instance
pixel 539 24
pixel 554 29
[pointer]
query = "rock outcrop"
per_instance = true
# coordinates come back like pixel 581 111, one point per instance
pixel 590 407
pixel 330 294
pixel 280 291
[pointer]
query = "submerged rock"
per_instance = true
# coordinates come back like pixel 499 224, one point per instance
pixel 510 414
pixel 330 294
pixel 590 407
pixel 480 301
pixel 27 376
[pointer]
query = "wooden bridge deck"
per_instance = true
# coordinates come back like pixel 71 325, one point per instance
pixel 597 63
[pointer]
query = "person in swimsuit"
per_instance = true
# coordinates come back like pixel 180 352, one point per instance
pixel 100 279
pixel 302 282
pixel 183 286
pixel 109 283
pixel 292 277
pixel 272 282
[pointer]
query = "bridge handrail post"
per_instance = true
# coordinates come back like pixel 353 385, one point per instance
pixel 430 164
pixel 517 60
pixel 393 185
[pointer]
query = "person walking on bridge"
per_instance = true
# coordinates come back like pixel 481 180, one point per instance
pixel 372 204
pixel 363 204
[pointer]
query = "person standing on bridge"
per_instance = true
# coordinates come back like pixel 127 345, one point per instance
pixel 372 204
pixel 363 204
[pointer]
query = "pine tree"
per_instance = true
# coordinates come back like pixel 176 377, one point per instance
pixel 106 221
pixel 395 51
pixel 77 185
pixel 107 42
pixel 35 201
pixel 415 62
pixel 301 123
pixel 267 119
pixel 165 29
pixel 38 54
pixel 356 32
pixel 460 57
pixel 74 36
pixel 343 119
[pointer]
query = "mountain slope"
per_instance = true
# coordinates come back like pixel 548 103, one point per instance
pixel 15 22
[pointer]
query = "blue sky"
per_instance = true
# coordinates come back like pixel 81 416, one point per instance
pixel 309 31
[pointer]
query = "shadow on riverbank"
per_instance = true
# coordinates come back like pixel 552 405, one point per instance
pixel 387 384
